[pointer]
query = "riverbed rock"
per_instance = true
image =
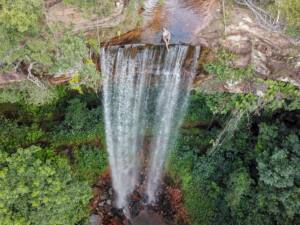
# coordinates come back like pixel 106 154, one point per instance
pixel 148 218
pixel 95 220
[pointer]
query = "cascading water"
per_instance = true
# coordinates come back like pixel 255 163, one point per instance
pixel 145 90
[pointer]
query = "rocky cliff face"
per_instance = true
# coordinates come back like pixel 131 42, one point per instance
pixel 271 55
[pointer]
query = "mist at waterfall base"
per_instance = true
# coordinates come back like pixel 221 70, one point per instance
pixel 145 91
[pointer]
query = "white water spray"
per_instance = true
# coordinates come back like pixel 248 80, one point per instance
pixel 145 89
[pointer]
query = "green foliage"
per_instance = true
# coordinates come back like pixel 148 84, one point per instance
pixel 38 189
pixel 71 53
pixel 238 185
pixel 46 186
pixel 18 18
pixel 14 136
pixel 90 162
pixel 278 157
pixel 289 12
pixel 253 177
pixel 199 196
pixel 278 95
pixel 26 92
pixel 222 69
pixel 197 109
pixel 87 76
pixel 281 95
pixel 222 103
pixel 80 125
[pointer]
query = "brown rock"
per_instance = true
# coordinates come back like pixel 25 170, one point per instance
pixel 259 60
pixel 241 61
pixel 95 220
pixel 238 44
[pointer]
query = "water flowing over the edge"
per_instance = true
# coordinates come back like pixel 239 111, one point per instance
pixel 145 91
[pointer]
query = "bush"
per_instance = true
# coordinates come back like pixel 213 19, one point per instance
pixel 14 136
pixel 253 176
pixel 222 69
pixel 90 162
pixel 290 10
pixel 27 93
pixel 80 125
pixel 40 190
pixel 17 19
pixel 278 158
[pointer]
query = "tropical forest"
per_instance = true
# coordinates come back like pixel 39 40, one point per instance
pixel 149 112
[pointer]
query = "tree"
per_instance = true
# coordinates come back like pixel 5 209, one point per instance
pixel 278 158
pixel 18 18
pixel 39 189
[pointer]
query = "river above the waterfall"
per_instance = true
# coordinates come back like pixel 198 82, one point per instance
pixel 183 18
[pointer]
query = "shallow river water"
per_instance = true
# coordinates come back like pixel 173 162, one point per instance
pixel 183 18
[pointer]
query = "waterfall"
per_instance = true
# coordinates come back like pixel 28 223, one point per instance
pixel 145 91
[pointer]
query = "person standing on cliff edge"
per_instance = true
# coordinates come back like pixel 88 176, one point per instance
pixel 166 36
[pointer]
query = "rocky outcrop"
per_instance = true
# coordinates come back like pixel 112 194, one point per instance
pixel 272 55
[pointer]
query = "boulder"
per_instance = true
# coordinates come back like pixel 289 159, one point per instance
pixel 95 220
pixel 238 44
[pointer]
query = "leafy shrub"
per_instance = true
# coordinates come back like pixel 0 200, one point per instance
pixel 197 109
pixel 27 93
pixel 87 76
pixel 71 53
pixel 253 177
pixel 17 19
pixel 278 157
pixel 222 69
pixel 14 136
pixel 38 189
pixel 80 125
pixel 290 14
pixel 90 162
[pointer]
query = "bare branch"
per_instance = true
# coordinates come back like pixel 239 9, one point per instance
pixel 263 18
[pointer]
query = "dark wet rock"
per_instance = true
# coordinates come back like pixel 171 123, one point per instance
pixel 95 220
pixel 148 218
pixel 101 204
pixel 167 209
